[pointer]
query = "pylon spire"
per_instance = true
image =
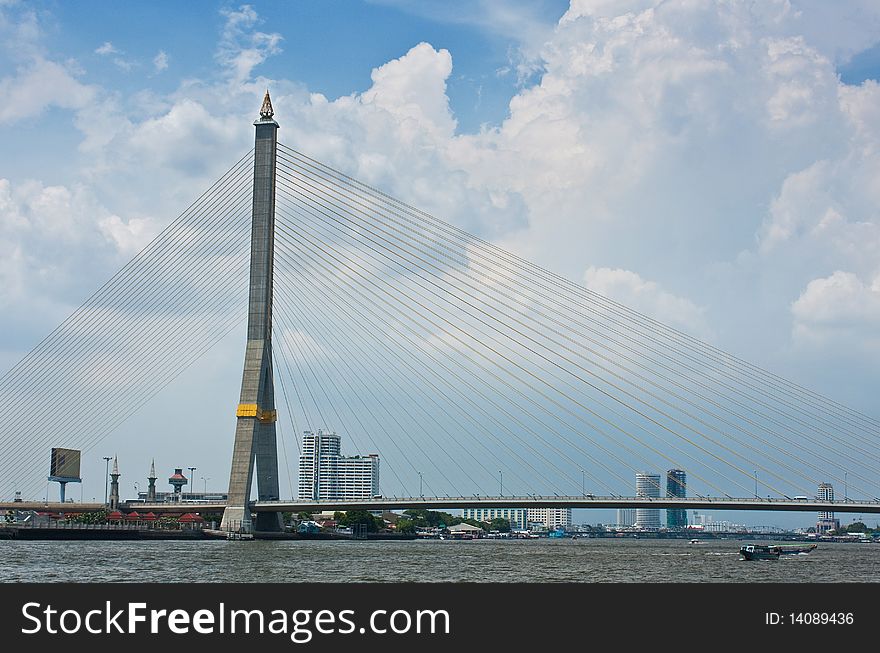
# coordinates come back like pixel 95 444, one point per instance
pixel 115 466
pixel 266 111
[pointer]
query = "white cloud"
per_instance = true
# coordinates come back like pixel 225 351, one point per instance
pixel 709 146
pixel 241 48
pixel 129 237
pixel 160 61
pixel 647 297
pixel 836 310
pixel 39 85
pixel 839 299
pixel 123 64
pixel 106 48
pixel 412 89
pixel 49 232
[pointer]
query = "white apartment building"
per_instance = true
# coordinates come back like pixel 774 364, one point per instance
pixel 516 516
pixel 626 517
pixel 324 473
pixel 551 518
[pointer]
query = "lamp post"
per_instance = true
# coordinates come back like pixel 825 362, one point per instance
pixel 501 475
pixel 845 489
pixel 583 485
pixel 205 493
pixel 756 483
pixel 106 476
pixel 421 494
pixel 191 470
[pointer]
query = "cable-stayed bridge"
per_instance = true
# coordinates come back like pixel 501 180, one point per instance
pixel 462 365
pixel 475 501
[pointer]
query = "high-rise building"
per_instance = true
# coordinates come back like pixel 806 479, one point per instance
pixel 626 517
pixel 357 477
pixel 516 516
pixel 647 485
pixel 826 521
pixel 317 465
pixel 551 518
pixel 324 473
pixel 676 486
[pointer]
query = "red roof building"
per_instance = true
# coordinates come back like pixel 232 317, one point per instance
pixel 190 518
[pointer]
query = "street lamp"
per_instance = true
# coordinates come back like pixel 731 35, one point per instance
pixel 421 494
pixel 191 470
pixel 206 486
pixel 501 474
pixel 106 476
pixel 845 489
pixel 756 483
pixel 583 485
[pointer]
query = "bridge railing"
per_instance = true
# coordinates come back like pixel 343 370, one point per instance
pixel 557 497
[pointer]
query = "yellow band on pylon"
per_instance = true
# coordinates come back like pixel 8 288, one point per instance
pixel 247 410
pixel 252 410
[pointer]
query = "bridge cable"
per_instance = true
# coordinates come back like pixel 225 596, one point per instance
pixel 561 282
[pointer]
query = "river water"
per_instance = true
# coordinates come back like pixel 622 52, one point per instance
pixel 583 560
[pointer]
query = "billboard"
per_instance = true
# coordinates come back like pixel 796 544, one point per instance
pixel 65 464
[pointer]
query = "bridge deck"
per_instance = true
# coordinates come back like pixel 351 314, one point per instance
pixel 453 503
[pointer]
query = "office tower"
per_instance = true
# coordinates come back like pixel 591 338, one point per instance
pixel 647 485
pixel 676 485
pixel 826 521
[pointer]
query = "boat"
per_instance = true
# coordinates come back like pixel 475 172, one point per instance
pixel 788 549
pixel 759 552
pixel 694 541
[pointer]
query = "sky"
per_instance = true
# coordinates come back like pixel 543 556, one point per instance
pixel 712 164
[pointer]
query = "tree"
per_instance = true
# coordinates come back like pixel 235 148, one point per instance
pixel 406 526
pixel 356 518
pixel 431 518
pixel 857 527
pixel 99 517
pixel 500 524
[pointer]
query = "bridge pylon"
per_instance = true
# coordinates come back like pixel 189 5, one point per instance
pixel 255 440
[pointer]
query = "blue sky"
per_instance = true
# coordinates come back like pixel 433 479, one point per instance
pixel 712 164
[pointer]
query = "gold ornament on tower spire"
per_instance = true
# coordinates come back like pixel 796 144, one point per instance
pixel 266 112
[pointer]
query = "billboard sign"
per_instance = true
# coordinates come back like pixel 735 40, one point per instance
pixel 64 465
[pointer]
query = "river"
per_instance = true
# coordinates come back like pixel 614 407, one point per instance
pixel 582 560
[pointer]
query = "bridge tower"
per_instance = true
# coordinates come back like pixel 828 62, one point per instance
pixel 255 425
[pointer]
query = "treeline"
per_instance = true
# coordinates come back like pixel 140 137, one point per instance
pixel 411 520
